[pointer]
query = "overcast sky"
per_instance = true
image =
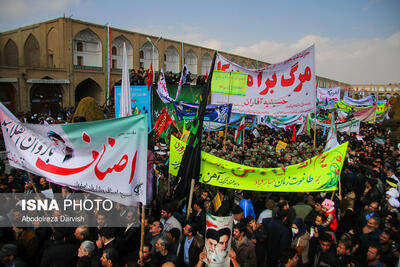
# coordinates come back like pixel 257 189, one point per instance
pixel 356 41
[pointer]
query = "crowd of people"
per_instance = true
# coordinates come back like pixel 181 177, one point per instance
pixel 358 225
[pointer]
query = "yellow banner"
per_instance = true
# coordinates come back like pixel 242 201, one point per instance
pixel 185 135
pixel 229 83
pixel 280 146
pixel 320 173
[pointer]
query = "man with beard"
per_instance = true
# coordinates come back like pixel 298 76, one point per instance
pixel 244 248
pixel 85 255
pixel 192 245
pixel 147 260
pixel 163 252
pixel 223 242
pixel 212 238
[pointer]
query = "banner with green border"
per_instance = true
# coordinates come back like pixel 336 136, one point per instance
pixel 229 83
pixel 320 173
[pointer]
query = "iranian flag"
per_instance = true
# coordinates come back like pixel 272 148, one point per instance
pixel 239 131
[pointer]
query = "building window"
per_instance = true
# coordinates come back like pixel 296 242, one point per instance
pixel 141 54
pixel 51 64
pixel 114 51
pixel 80 60
pixel 79 46
pixel 114 64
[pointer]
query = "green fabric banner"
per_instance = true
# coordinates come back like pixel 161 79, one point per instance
pixel 320 173
pixel 380 108
pixel 189 94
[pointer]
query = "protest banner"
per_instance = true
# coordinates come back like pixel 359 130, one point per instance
pixel 214 113
pixel 218 240
pixel 328 96
pixel 319 173
pixel 140 99
pixel 229 82
pixel 352 126
pixel 281 89
pixel 107 158
pixel 366 101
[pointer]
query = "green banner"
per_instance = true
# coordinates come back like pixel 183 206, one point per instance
pixel 320 173
pixel 189 94
pixel 380 108
pixel 229 83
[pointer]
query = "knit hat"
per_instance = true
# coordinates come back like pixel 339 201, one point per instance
pixel 328 204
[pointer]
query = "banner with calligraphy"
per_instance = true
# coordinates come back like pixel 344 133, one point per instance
pixel 218 240
pixel 380 107
pixel 328 96
pixel 229 82
pixel 320 173
pixel 285 88
pixel 352 126
pixel 366 101
pixel 214 113
pixel 140 99
pixel 234 122
pixel 107 158
pixel 280 122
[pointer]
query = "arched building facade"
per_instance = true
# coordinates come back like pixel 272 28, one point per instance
pixel 64 60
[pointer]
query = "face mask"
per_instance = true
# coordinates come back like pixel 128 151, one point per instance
pixel 295 231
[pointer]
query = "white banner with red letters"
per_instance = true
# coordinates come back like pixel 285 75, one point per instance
pixel 107 157
pixel 282 89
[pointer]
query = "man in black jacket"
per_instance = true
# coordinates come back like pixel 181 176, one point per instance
pixel 60 253
pixel 278 237
pixel 326 254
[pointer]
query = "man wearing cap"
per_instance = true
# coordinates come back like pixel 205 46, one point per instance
pixel 8 256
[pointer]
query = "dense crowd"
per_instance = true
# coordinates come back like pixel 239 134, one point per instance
pixel 139 77
pixel 357 225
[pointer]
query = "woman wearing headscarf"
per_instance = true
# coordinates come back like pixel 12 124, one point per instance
pixel 301 239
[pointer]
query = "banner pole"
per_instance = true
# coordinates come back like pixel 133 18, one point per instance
pixel 226 124
pixel 142 234
pixel 315 128
pixel 190 199
pixel 244 130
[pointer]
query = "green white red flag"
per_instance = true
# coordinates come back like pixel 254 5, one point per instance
pixel 239 131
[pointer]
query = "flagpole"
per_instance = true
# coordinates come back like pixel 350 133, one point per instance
pixel 190 199
pixel 315 128
pixel 142 233
pixel 226 123
pixel 244 131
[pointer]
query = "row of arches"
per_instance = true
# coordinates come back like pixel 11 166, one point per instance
pixel 87 51
pixel 49 97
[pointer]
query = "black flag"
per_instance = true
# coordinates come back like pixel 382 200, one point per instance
pixel 190 164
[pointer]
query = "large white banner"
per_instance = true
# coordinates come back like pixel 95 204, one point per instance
pixel 285 88
pixel 107 158
pixel 366 101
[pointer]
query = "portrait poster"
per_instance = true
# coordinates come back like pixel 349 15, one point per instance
pixel 218 240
